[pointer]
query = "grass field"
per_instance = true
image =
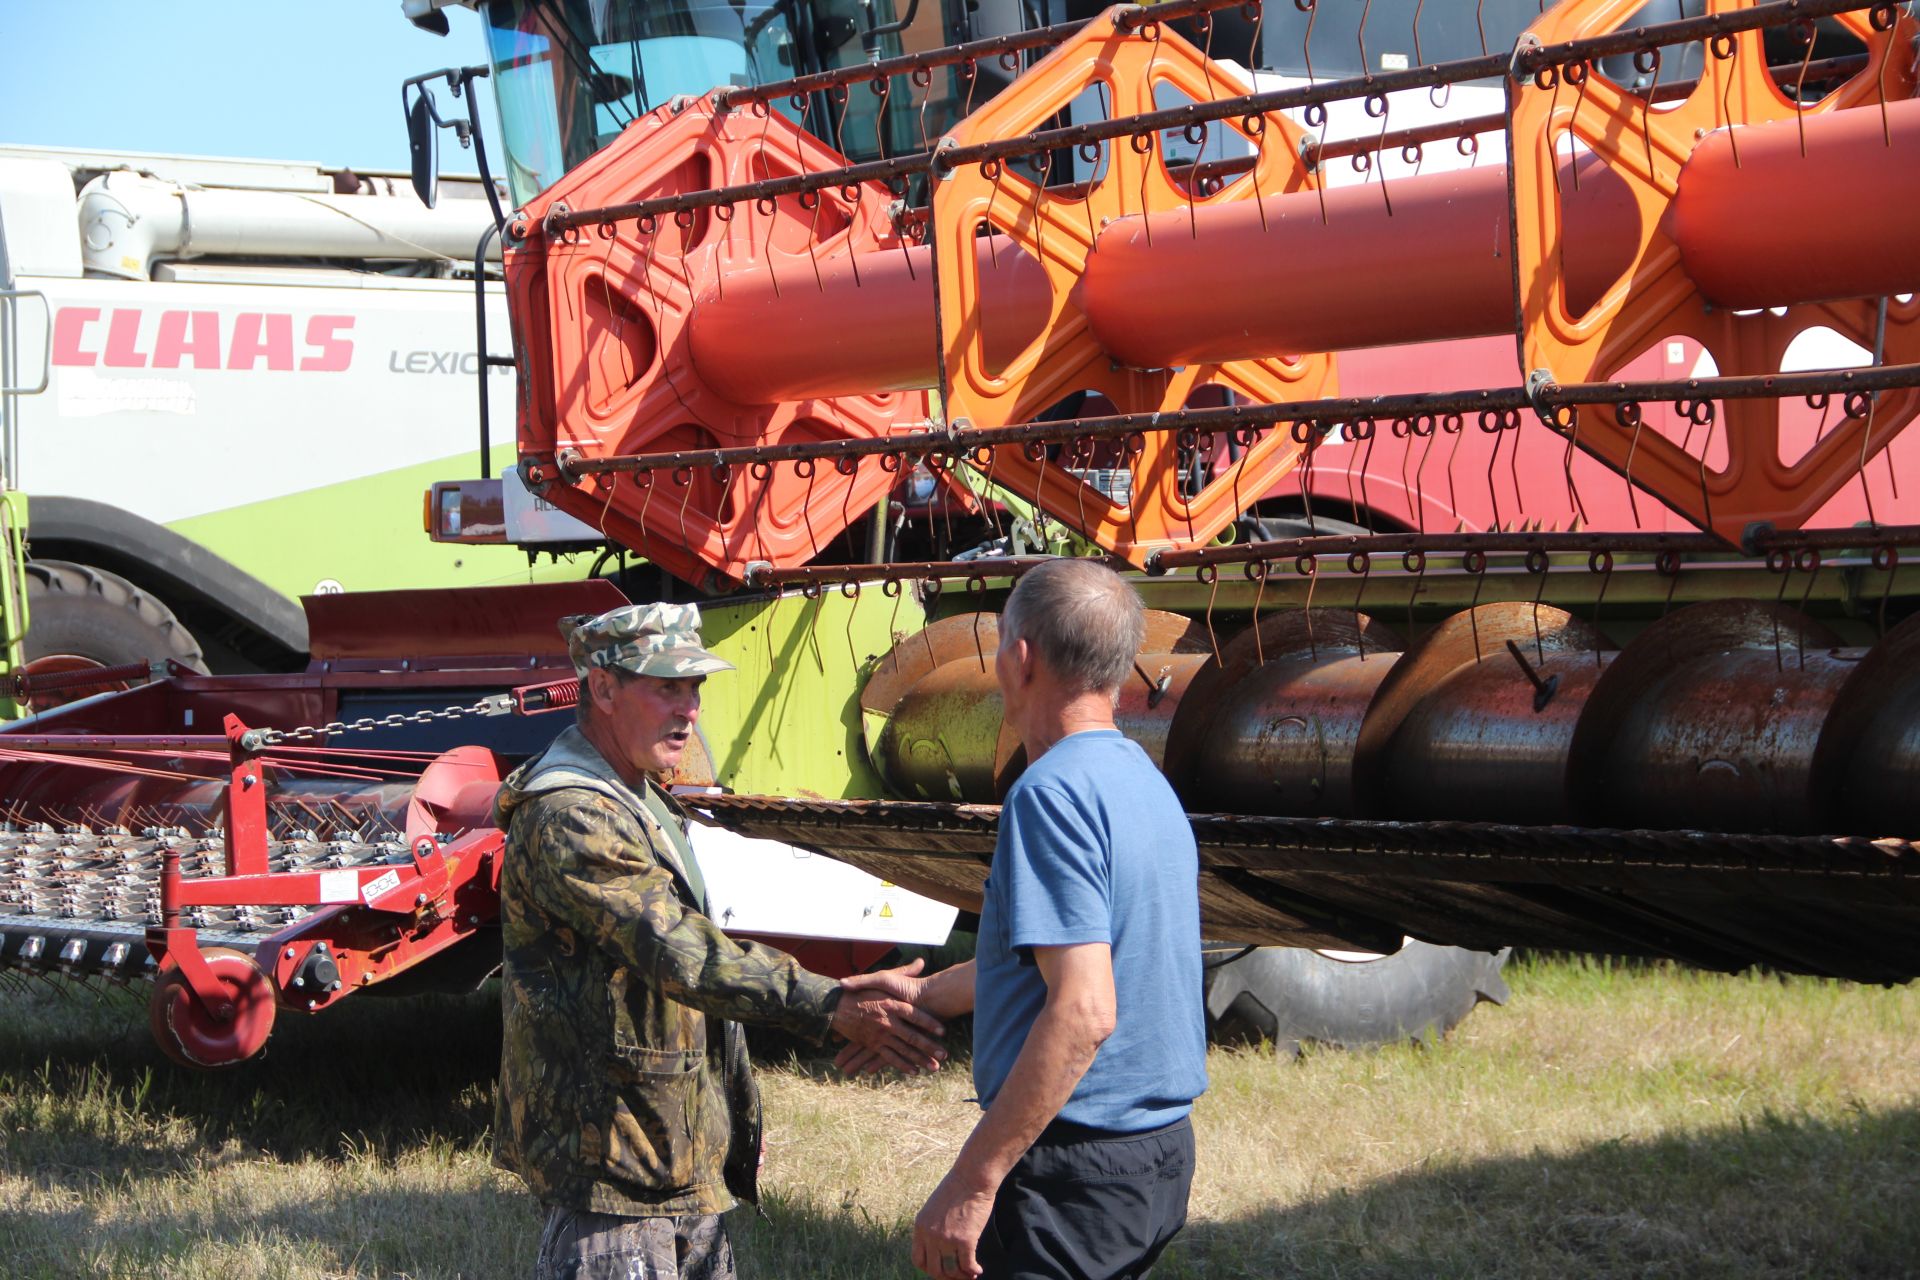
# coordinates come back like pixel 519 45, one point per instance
pixel 1608 1122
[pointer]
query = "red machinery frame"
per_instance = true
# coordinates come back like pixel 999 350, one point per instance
pixel 369 922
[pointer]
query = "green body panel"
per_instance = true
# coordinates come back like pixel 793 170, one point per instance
pixel 13 588
pixel 1034 532
pixel 364 534
pixel 788 721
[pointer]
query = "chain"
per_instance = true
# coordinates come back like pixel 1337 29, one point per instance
pixel 494 704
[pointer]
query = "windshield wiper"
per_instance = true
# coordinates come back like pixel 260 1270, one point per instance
pixel 579 56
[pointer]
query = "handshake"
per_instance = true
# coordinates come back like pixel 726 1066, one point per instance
pixel 892 1018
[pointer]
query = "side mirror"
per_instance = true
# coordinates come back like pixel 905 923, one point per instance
pixel 609 86
pixel 423 143
pixel 423 129
pixel 834 30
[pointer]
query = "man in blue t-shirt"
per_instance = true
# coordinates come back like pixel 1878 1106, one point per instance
pixel 1089 1033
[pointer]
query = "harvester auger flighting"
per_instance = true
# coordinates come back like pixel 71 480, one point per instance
pixel 1635 734
pixel 702 352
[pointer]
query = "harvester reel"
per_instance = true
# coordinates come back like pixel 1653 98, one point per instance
pixel 195 1036
pixel 1058 229
pixel 615 308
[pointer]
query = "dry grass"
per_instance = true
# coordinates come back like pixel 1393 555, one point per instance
pixel 1609 1122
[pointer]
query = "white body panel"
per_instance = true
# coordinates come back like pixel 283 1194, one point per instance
pixel 766 887
pixel 208 395
pixel 127 220
pixel 219 383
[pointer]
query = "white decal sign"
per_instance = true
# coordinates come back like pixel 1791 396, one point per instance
pixel 379 885
pixel 339 886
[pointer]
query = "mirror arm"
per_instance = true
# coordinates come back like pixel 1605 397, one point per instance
pixel 460 81
pixel 870 38
pixel 464 86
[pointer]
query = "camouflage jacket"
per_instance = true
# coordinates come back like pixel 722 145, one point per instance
pixel 624 1086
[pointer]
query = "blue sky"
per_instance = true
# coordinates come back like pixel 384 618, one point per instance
pixel 314 80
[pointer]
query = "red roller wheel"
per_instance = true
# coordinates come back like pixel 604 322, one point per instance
pixel 60 664
pixel 192 1035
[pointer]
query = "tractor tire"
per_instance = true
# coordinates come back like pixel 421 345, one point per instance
pixel 77 615
pixel 1259 528
pixel 1293 996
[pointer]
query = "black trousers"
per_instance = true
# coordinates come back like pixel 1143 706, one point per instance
pixel 1086 1204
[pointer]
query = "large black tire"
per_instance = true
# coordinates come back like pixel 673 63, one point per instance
pixel 1293 996
pixel 1259 528
pixel 75 610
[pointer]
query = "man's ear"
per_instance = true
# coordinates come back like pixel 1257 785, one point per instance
pixel 600 688
pixel 1023 660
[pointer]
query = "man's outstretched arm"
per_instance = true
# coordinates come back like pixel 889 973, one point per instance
pixel 947 994
pixel 599 878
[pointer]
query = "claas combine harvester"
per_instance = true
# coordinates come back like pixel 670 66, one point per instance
pixel 838 324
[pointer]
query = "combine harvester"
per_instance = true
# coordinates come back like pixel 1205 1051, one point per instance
pixel 1123 299
pixel 206 341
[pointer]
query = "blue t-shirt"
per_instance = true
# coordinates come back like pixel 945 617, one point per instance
pixel 1095 847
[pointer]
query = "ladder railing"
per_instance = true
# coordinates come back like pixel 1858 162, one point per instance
pixel 13 594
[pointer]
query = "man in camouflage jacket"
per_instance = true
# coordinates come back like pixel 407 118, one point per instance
pixel 626 1101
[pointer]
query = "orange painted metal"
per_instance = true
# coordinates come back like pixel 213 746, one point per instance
pixel 857 326
pixel 808 318
pixel 1857 182
pixel 610 314
pixel 1281 275
pixel 1131 72
pixel 1244 279
pixel 1657 300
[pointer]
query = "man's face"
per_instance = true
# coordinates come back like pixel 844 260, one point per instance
pixel 648 719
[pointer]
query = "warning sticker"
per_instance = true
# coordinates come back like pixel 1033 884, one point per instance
pixel 379 885
pixel 339 886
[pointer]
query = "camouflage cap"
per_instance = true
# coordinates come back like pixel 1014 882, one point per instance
pixel 646 639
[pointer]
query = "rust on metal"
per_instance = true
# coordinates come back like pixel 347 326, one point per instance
pixel 1869 750
pixel 1274 722
pixel 1710 719
pixel 1838 906
pixel 1477 720
pixel 1327 412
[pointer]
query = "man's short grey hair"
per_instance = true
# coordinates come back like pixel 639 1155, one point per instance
pixel 1082 618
